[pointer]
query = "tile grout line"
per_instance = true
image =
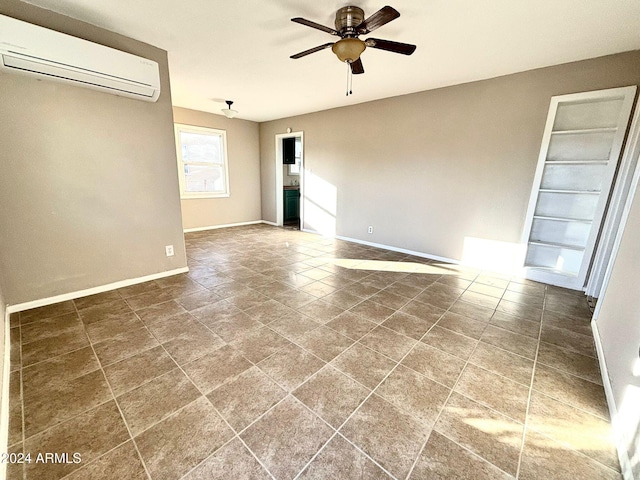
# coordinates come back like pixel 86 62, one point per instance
pixel 415 462
pixel 95 460
pixel 547 394
pixel 372 392
pixel 341 435
pixel 456 383
pixel 236 434
pixel 570 447
pixel 531 389
pixel 80 317
pixel 533 375
pixel 579 453
pixel 332 366
pixel 284 387
pixel 480 457
pixel 70 418
pixel 335 433
pixel 325 324
pixel 365 399
pixel 554 367
pixel 30 322
pixel 23 419
pixel 356 341
pixel 320 324
pixel 488 406
pixel 113 396
pixel 313 376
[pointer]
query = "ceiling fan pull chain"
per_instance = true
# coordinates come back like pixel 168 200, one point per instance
pixel 348 70
pixel 349 79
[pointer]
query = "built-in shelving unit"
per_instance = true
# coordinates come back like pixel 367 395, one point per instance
pixel 580 150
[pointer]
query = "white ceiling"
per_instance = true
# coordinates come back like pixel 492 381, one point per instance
pixel 239 50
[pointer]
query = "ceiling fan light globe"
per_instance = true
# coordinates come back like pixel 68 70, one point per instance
pixel 348 49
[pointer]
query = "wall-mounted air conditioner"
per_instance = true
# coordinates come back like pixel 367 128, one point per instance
pixel 33 50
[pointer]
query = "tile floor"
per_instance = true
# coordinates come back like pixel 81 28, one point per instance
pixel 285 355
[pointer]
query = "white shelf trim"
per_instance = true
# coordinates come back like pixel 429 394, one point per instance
pixel 557 245
pixel 561 219
pixel 553 190
pixel 576 162
pixel 584 131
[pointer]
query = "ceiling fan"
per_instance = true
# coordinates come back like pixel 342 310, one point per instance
pixel 350 24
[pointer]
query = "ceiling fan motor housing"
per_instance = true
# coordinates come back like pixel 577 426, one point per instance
pixel 347 19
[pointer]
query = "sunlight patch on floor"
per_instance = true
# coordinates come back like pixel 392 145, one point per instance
pixel 493 255
pixel 389 266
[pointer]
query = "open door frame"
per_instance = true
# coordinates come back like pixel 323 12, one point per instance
pixel 280 180
pixel 623 190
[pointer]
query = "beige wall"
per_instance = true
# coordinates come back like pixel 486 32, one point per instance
pixel 619 327
pixel 428 170
pixel 243 152
pixel 89 188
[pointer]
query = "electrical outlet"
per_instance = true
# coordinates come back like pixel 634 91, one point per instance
pixel 370 229
pixel 169 250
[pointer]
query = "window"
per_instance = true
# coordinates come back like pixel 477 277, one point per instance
pixel 295 169
pixel 202 162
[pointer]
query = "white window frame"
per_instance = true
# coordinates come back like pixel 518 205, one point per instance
pixel 180 127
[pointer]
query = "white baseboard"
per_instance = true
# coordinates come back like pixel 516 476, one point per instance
pixel 267 222
pixel 215 227
pixel 4 404
pixel 396 249
pixel 621 447
pixel 19 307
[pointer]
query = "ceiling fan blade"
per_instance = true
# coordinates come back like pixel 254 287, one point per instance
pixel 388 45
pixel 309 23
pixel 311 50
pixel 357 67
pixel 378 19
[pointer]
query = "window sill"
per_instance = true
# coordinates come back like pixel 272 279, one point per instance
pixel 204 196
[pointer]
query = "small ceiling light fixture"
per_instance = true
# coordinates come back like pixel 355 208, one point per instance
pixel 228 112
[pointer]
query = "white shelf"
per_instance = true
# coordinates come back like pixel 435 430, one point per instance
pixel 576 162
pixel 558 245
pixel 588 192
pixel 561 219
pixel 551 270
pixel 584 130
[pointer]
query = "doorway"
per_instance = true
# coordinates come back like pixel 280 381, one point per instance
pixel 289 176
